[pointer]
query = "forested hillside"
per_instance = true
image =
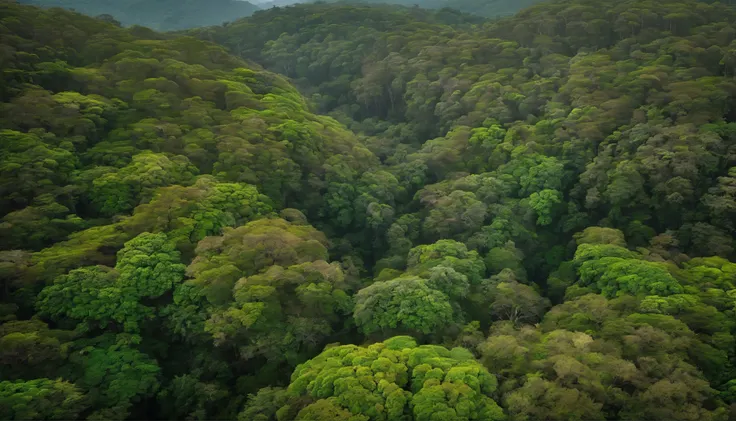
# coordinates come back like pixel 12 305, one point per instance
pixel 403 215
pixel 163 15
pixel 485 8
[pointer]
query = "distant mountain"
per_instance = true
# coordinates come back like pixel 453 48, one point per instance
pixel 267 4
pixel 487 8
pixel 163 15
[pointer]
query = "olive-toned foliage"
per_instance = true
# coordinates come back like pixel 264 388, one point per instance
pixel 544 202
pixel 389 380
pixel 40 399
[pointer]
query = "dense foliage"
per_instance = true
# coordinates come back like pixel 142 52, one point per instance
pixel 518 219
pixel 486 8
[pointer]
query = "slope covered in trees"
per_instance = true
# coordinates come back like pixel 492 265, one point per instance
pixel 163 15
pixel 121 150
pixel 519 219
pixel 538 105
pixel 485 8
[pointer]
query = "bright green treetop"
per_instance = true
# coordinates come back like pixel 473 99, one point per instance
pixel 41 399
pixel 394 379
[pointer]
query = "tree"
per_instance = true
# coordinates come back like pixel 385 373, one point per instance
pixel 188 397
pixel 388 379
pixel 539 398
pixel 327 409
pixel 264 405
pixel 721 200
pixel 41 399
pixel 603 371
pixel 457 215
pixel 590 252
pixel 147 267
pixel 93 297
pixel 544 174
pixel 247 250
pixel 449 281
pixel 120 191
pixel 264 290
pixel 43 223
pixel 506 257
pixel 260 244
pixel 149 264
pixel 29 348
pixel 613 276
pixel 707 240
pixel 447 253
pixel 188 214
pixel 306 301
pixel 676 399
pixel 517 302
pixel 31 165
pixel 116 376
pixel 405 304
pixel 600 235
